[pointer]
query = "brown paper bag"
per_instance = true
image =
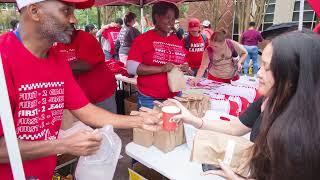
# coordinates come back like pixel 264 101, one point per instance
pixel 204 106
pixel 140 136
pixel 143 137
pixel 166 141
pixel 197 104
pixel 176 80
pixel 209 146
pixel 183 101
pixel 194 106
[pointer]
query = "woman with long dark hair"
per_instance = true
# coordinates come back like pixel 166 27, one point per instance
pixel 287 146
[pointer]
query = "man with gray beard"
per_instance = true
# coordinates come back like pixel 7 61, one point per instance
pixel 31 65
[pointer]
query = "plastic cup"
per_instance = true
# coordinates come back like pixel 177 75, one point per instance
pixel 167 113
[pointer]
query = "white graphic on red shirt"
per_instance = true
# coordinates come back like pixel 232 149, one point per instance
pixel 114 36
pixel 69 54
pixel 196 47
pixel 40 110
pixel 165 52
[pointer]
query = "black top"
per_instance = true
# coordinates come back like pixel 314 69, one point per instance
pixel 180 33
pixel 252 118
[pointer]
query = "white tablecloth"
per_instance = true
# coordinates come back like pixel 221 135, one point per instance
pixel 228 98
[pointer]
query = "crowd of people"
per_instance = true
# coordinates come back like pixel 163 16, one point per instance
pixel 55 74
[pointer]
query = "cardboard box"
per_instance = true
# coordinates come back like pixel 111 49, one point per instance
pixel 141 172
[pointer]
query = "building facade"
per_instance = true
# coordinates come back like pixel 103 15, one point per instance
pixel 277 11
pixel 281 11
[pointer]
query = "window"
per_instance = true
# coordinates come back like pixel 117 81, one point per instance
pixel 235 29
pixel 309 17
pixel 269 15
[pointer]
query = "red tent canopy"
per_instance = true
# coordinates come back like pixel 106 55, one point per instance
pixel 7 1
pixel 122 2
pixel 136 2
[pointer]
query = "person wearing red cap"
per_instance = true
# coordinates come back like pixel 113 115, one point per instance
pixel 195 43
pixel 40 85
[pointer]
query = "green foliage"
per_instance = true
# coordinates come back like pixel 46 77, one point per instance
pixel 90 16
pixel 87 16
pixel 183 8
pixel 7 14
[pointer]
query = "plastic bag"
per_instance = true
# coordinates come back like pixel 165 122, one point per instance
pixel 76 127
pixel 102 164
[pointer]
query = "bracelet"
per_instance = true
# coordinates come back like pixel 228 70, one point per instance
pixel 201 123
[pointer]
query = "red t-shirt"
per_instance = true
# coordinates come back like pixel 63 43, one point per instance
pixel 195 51
pixel 39 90
pixel 111 34
pixel 99 83
pixel 154 50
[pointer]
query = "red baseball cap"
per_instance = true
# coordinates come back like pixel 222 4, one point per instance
pixel 194 24
pixel 79 4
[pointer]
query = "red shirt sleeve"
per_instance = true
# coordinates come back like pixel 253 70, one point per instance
pixel 88 48
pixel 136 53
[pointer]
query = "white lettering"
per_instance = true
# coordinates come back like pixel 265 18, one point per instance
pixel 28 96
pixel 56 106
pixel 54 92
pixel 56 99
pixel 28 104
pixel 28 121
pixel 28 113
pixel 30 129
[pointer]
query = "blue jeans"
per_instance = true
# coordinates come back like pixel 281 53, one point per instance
pixel 107 55
pixel 146 101
pixel 252 54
